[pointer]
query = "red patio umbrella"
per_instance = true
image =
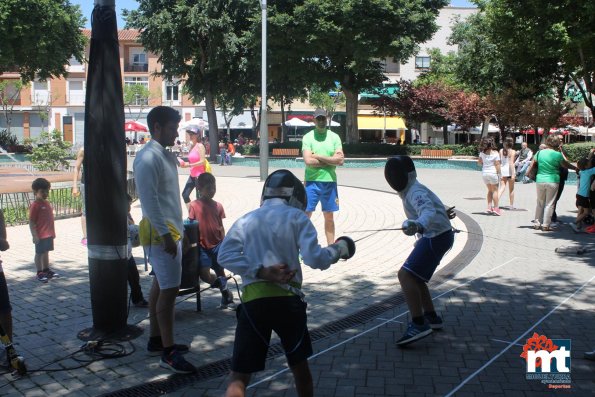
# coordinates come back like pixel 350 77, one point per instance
pixel 135 126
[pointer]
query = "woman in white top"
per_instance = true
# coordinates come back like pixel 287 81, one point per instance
pixel 507 155
pixel 489 159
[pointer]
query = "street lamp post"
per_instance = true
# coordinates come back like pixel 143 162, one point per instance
pixel 264 133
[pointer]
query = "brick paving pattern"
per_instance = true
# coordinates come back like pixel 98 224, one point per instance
pixel 502 290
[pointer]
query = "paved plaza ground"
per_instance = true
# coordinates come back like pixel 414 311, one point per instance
pixel 501 283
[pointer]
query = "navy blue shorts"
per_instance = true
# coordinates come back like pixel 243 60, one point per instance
pixel 324 192
pixel 427 254
pixel 208 257
pixel 44 245
pixel 4 300
pixel 286 315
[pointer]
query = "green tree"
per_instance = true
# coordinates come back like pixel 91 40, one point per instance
pixel 348 40
pixel 38 37
pixel 203 42
pixel 550 41
pixel 50 151
pixel 136 95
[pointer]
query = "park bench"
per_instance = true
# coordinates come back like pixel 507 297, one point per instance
pixel 436 153
pixel 286 152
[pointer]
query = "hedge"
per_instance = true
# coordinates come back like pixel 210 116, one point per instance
pixel 574 151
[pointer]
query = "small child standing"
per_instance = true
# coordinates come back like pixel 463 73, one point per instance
pixel 136 293
pixel 41 224
pixel 426 217
pixel 209 214
pixel 583 203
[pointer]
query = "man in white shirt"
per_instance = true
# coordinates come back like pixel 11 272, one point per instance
pixel 161 231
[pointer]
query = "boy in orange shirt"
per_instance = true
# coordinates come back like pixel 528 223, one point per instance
pixel 209 214
pixel 41 224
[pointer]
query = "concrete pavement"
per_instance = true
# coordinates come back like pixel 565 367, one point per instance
pixel 501 282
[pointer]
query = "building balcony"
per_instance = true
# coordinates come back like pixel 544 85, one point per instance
pixel 138 67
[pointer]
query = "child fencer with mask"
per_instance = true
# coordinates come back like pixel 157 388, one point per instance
pixel 426 217
pixel 264 247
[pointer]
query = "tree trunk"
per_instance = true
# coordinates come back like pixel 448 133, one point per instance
pixel 213 127
pixel 445 134
pixel 283 126
pixel 352 132
pixel 255 121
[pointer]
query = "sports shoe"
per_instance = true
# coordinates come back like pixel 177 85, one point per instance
pixel 576 228
pixel 141 303
pixel 497 211
pixel 413 333
pixel 227 300
pixel 590 355
pixel 42 277
pixel 84 242
pixel 489 211
pixel 435 321
pixel 177 363
pixel 157 347
pixel 51 274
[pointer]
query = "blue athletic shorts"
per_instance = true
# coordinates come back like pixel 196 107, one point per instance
pixel 286 315
pixel 44 245
pixel 208 257
pixel 427 254
pixel 324 192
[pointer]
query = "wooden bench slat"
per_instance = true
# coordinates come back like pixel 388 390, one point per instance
pixel 432 153
pixel 286 152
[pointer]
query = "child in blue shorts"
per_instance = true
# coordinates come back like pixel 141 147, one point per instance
pixel 209 214
pixel 41 224
pixel 427 218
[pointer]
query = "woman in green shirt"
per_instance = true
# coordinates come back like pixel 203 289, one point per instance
pixel 549 161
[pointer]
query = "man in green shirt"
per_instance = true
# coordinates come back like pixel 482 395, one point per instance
pixel 323 152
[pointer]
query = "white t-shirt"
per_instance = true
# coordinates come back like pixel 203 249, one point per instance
pixel 489 162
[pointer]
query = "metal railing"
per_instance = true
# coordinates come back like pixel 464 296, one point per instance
pixel 16 205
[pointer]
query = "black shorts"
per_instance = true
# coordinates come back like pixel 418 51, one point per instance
pixel 257 319
pixel 582 201
pixel 4 300
pixel 44 245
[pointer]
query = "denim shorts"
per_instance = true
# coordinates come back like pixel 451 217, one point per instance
pixel 427 254
pixel 44 245
pixel 324 192
pixel 208 257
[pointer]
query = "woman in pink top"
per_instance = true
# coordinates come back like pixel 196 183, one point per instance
pixel 196 162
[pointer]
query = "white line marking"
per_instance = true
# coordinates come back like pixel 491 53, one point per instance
pixel 542 319
pixel 271 377
pixel 505 341
pixel 389 320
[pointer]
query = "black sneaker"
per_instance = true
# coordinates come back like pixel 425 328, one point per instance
pixel 413 333
pixel 157 347
pixel 435 322
pixel 42 277
pixel 51 274
pixel 177 363
pixel 141 303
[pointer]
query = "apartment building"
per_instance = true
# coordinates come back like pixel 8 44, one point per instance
pixel 60 103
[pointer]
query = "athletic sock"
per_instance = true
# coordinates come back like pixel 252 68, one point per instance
pixel 168 350
pixel 155 340
pixel 418 320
